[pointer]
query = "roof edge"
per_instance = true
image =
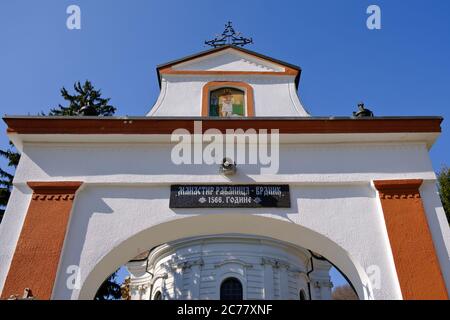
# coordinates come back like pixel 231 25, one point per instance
pixel 224 47
pixel 167 125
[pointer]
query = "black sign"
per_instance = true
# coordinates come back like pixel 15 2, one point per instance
pixel 230 196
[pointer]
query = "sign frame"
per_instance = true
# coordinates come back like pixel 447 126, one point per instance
pixel 230 196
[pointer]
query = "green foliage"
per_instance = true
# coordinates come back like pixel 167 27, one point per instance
pixel 85 101
pixel 109 290
pixel 444 189
pixel 6 178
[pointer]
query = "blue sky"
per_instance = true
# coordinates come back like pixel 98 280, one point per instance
pixel 402 69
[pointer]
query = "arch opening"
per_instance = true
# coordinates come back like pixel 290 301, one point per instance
pixel 292 234
pixel 231 289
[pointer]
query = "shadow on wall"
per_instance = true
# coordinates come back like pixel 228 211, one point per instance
pixel 155 160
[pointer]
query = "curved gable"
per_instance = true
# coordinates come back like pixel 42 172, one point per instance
pixel 272 83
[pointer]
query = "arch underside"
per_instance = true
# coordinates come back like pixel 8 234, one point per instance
pixel 242 224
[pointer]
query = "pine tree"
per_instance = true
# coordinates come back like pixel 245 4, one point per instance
pixel 444 189
pixel 85 102
pixel 110 289
pixel 6 178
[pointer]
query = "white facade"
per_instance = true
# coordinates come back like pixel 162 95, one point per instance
pixel 122 208
pixel 196 268
pixel 275 95
pixel 335 209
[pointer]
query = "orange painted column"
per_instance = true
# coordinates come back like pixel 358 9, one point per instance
pixel 35 261
pixel 415 258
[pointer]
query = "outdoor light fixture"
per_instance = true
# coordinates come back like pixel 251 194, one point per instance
pixel 228 167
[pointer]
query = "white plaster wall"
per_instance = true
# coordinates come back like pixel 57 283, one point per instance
pixel 11 226
pixel 274 95
pixel 437 221
pixel 127 190
pixel 151 163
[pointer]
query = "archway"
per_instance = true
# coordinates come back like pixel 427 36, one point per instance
pixel 222 224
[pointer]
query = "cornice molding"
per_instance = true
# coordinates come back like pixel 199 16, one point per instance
pixel 275 263
pixel 236 261
pixel 50 197
pixel 398 189
pixel 54 191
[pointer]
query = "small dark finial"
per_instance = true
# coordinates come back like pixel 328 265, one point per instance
pixel 229 36
pixel 362 111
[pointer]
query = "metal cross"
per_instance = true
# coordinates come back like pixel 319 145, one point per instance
pixel 229 36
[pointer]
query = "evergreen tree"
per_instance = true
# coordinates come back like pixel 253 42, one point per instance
pixel 110 289
pixel 6 178
pixel 444 190
pixel 86 101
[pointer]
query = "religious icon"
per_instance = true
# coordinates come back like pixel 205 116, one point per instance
pixel 227 102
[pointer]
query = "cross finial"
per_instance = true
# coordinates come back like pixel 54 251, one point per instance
pixel 229 36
